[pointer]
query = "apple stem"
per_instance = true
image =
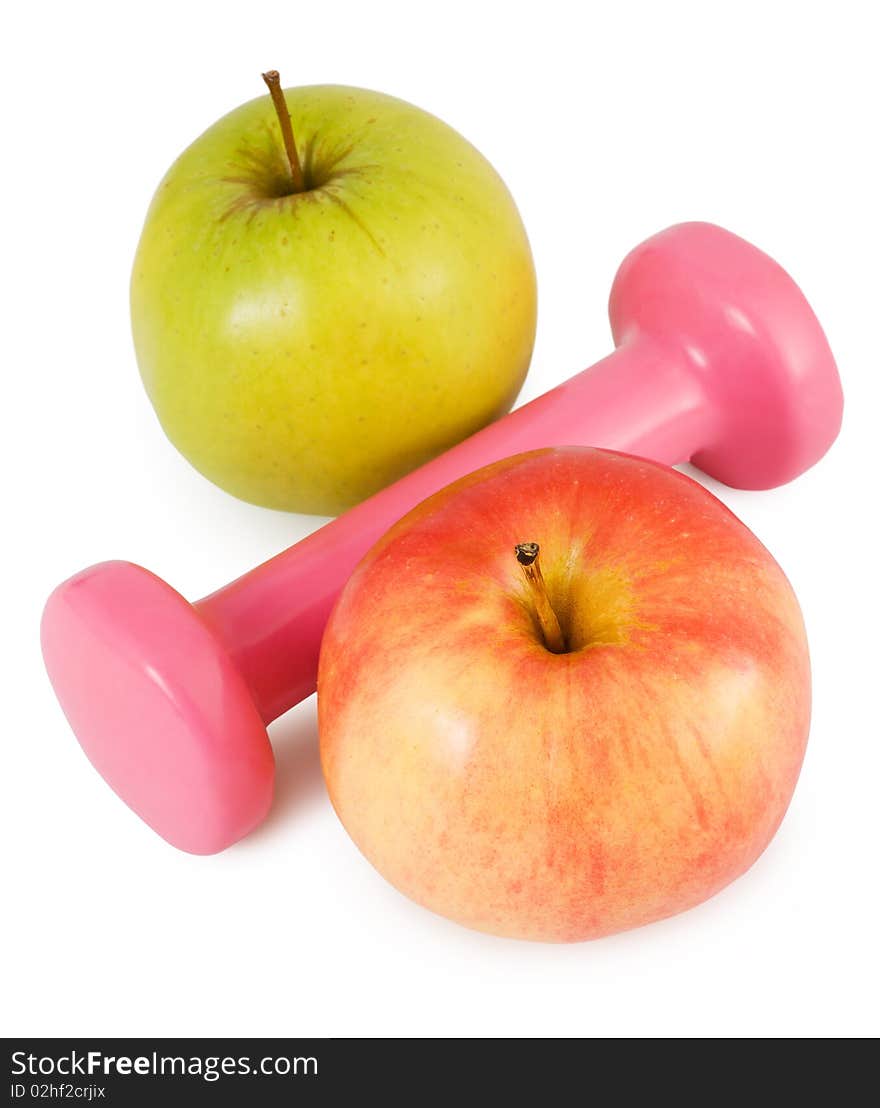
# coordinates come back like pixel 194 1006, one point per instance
pixel 273 82
pixel 527 556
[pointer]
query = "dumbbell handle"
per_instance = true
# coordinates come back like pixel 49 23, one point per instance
pixel 642 399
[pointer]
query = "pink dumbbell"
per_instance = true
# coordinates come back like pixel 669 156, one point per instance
pixel 719 360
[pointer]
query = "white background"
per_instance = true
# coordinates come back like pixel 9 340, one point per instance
pixel 608 122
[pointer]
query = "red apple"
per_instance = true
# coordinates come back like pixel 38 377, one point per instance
pixel 564 795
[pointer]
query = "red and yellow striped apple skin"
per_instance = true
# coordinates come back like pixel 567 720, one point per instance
pixel 562 797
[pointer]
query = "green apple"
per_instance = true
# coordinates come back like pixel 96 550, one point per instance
pixel 319 308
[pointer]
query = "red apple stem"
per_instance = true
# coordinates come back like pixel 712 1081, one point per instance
pixel 273 82
pixel 527 556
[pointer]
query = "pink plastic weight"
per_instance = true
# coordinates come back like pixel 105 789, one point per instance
pixel 719 359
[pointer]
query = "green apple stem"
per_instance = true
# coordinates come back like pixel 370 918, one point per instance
pixel 273 82
pixel 527 556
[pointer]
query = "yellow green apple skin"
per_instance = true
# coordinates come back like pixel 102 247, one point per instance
pixel 565 796
pixel 305 349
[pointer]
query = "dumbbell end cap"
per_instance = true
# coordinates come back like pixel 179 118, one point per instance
pixel 158 706
pixel 745 331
